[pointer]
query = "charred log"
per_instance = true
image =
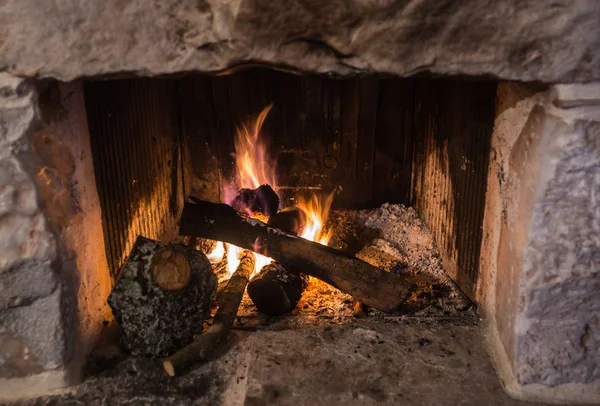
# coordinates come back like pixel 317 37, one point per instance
pixel 275 290
pixel 162 295
pixel 198 351
pixel 374 287
pixel 262 200
pixel 291 220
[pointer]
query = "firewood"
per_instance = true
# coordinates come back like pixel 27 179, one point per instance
pixel 372 286
pixel 262 200
pixel 203 345
pixel 161 295
pixel 275 290
pixel 291 220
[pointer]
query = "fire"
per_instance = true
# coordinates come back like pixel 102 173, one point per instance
pixel 253 165
pixel 217 253
pixel 253 169
pixel 316 211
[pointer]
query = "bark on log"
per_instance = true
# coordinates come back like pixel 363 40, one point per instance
pixel 275 290
pixel 203 345
pixel 161 297
pixel 374 287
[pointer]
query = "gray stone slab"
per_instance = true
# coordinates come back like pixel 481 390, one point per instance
pixel 556 41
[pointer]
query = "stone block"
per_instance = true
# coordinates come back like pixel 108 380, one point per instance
pixel 17 110
pixel 17 190
pixel 24 282
pixel 518 40
pixel 32 337
pixel 24 237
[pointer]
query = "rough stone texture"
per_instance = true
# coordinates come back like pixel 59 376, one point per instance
pixel 540 280
pixel 40 328
pixel 511 39
pixel 31 325
pixel 52 290
pixel 155 322
pixel 62 166
pixel 560 279
pixel 413 361
pixel 25 282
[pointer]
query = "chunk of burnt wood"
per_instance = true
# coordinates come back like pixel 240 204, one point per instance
pixel 262 200
pixel 275 290
pixel 161 297
pixel 291 220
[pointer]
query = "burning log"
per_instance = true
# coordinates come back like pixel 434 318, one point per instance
pixel 275 290
pixel 162 295
pixel 262 200
pixel 200 349
pixel 291 220
pixel 372 286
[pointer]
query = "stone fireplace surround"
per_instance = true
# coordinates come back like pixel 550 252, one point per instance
pixel 539 275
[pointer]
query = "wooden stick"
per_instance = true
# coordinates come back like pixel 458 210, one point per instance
pixel 199 350
pixel 372 286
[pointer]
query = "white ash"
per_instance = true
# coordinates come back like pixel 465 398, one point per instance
pixel 405 236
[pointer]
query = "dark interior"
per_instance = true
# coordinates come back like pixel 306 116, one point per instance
pixel 421 141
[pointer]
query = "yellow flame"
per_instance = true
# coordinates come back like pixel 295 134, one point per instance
pixel 217 253
pixel 233 258
pixel 254 168
pixel 316 210
pixel 253 164
pixel 259 262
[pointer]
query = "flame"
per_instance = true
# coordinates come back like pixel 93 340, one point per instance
pixel 253 169
pixel 233 258
pixel 253 165
pixel 217 253
pixel 316 210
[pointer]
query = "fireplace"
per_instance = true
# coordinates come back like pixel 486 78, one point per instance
pixel 471 173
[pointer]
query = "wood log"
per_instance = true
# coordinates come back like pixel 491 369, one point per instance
pixel 275 290
pixel 203 345
pixel 291 220
pixel 161 297
pixel 262 200
pixel 374 287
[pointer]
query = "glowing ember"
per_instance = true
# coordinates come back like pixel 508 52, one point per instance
pixel 316 211
pixel 217 254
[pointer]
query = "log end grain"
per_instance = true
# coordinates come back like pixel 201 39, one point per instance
pixel 154 320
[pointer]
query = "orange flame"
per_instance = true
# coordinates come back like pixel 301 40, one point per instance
pixel 255 168
pixel 217 253
pixel 316 210
pixel 253 165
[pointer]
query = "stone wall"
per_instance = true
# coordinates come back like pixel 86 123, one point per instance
pixel 53 273
pixel 556 41
pixel 539 275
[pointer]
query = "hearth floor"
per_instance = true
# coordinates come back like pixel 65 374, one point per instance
pixel 397 361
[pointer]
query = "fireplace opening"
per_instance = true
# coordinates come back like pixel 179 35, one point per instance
pixel 401 162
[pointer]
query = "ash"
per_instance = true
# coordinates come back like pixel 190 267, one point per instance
pixel 391 237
